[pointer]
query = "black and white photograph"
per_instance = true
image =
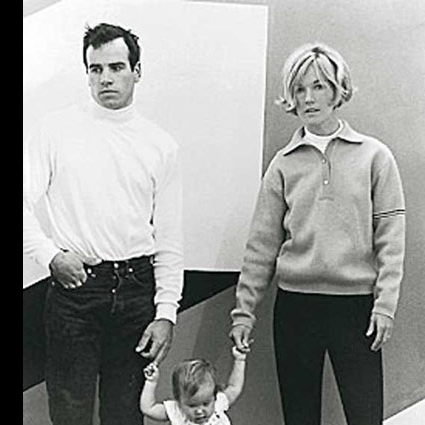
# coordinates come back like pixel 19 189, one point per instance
pixel 222 212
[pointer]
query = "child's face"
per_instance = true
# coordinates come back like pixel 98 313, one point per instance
pixel 200 407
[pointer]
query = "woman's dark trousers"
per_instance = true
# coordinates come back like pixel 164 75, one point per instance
pixel 305 327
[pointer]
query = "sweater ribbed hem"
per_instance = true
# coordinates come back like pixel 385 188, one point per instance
pixel 327 288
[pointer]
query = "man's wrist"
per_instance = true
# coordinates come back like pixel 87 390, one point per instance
pixel 164 319
pixel 49 256
pixel 166 311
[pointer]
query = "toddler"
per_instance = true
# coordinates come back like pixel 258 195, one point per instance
pixel 198 399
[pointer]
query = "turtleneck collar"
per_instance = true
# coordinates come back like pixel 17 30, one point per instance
pixel 316 137
pixel 113 115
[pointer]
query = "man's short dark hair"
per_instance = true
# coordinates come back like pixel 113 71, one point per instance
pixel 104 33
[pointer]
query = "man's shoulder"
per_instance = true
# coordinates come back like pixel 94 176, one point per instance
pixel 156 134
pixel 70 113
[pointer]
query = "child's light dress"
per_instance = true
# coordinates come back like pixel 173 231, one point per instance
pixel 219 417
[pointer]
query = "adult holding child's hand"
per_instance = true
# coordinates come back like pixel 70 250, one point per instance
pixel 241 336
pixel 329 229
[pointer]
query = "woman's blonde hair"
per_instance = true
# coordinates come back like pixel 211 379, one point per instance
pixel 328 64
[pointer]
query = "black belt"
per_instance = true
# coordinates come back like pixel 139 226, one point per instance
pixel 127 265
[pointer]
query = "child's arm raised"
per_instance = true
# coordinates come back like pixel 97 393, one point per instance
pixel 148 404
pixel 237 376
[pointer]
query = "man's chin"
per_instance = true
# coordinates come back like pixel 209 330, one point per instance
pixel 110 104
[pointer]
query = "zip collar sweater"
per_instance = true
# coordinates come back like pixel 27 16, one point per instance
pixel 326 223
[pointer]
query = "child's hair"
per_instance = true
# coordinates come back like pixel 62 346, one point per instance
pixel 329 64
pixel 190 375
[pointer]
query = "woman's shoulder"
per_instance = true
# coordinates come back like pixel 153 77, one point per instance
pixel 368 141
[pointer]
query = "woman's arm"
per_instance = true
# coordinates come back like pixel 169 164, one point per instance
pixel 389 245
pixel 265 239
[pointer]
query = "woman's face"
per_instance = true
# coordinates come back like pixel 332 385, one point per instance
pixel 314 97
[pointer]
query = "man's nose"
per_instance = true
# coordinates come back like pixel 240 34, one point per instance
pixel 106 78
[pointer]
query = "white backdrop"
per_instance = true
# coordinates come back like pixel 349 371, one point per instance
pixel 203 81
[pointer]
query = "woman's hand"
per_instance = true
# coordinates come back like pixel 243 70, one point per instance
pixel 382 326
pixel 240 335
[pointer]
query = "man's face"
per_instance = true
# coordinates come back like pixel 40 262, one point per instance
pixel 111 79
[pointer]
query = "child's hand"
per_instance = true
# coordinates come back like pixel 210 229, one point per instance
pixel 151 372
pixel 237 354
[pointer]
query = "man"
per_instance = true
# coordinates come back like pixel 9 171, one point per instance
pixel 111 183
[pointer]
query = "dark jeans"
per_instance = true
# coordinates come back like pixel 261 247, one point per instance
pixel 307 325
pixel 92 332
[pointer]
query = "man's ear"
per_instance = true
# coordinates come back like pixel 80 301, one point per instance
pixel 138 71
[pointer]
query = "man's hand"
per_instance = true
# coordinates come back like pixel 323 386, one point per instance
pixel 382 326
pixel 240 335
pixel 67 268
pixel 156 340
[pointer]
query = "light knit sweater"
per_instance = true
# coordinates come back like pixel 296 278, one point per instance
pixel 111 182
pixel 331 223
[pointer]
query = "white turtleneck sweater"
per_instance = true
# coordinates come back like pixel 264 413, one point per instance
pixel 111 181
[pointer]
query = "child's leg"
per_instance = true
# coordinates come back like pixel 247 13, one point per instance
pixel 299 350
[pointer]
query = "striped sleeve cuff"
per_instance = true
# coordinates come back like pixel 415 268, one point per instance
pixel 388 214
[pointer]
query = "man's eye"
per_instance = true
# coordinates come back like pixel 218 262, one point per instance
pixel 95 70
pixel 117 68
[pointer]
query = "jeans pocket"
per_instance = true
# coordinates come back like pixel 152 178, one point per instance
pixel 142 279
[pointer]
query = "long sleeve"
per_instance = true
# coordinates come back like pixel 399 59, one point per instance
pixel 37 173
pixel 389 235
pixel 112 185
pixel 168 236
pixel 265 239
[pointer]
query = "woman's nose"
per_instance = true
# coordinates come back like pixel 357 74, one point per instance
pixel 309 96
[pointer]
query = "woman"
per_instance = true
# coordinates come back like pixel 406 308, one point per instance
pixel 329 229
